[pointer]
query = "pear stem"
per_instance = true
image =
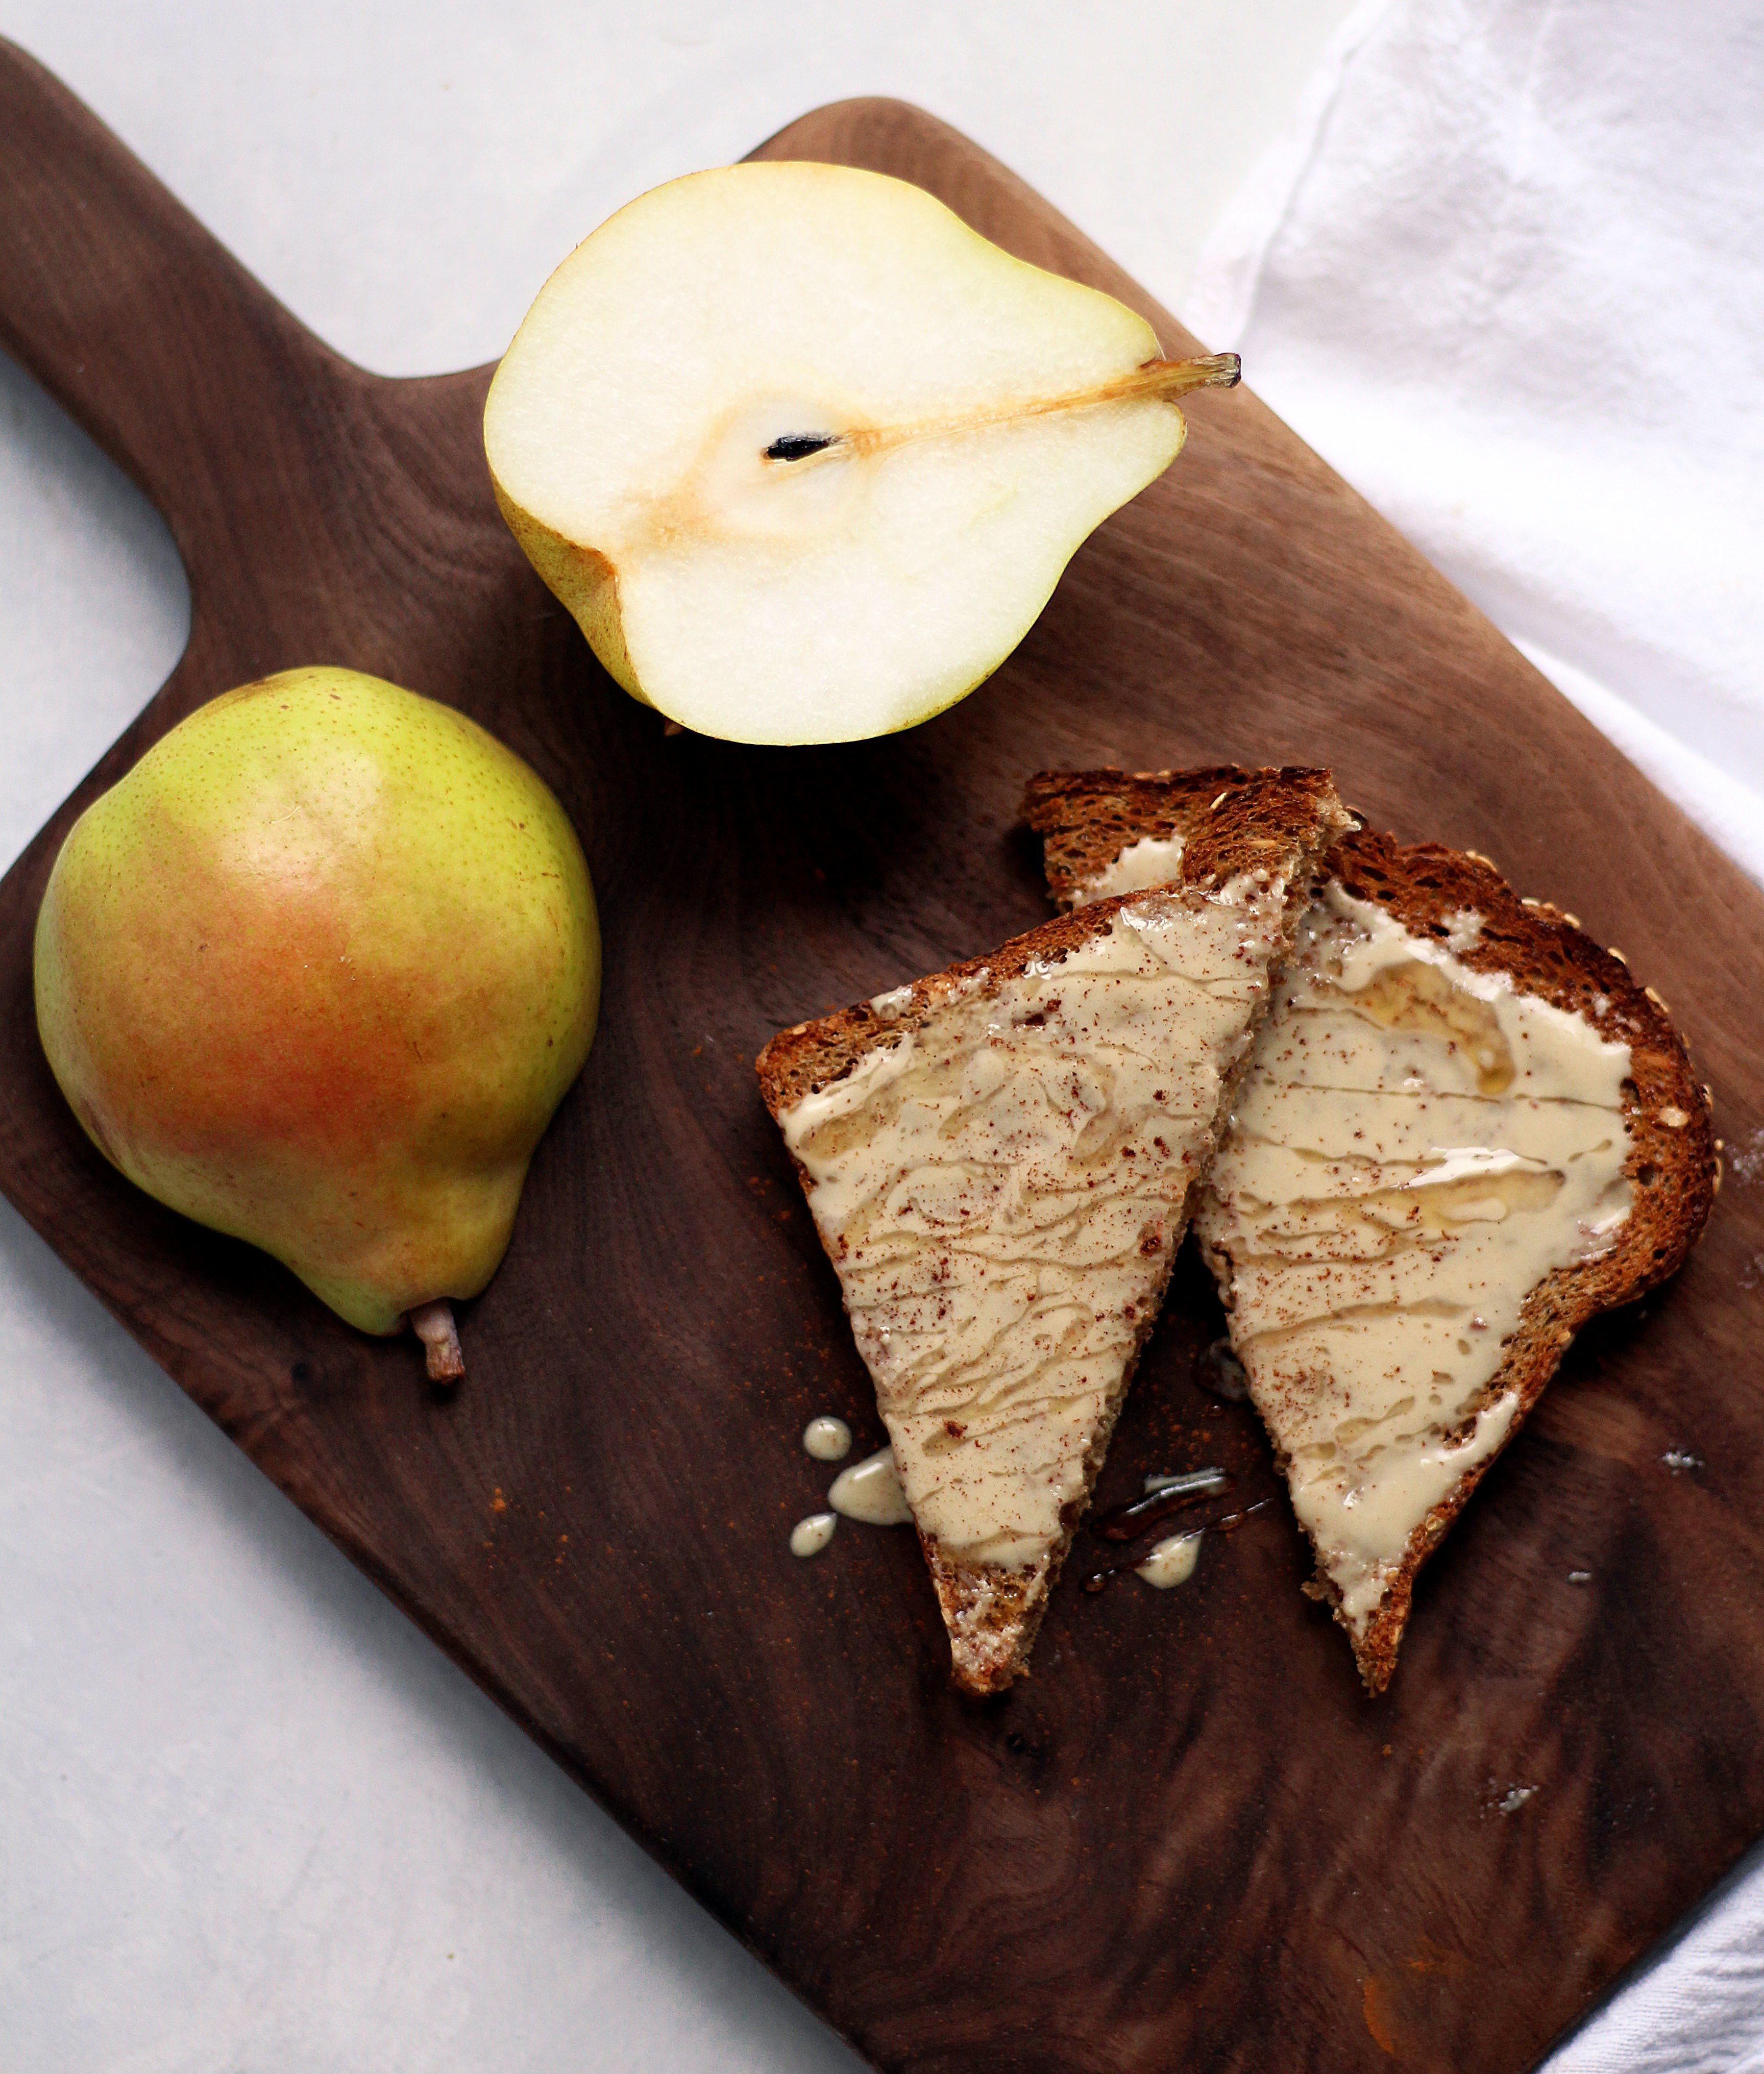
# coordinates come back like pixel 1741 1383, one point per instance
pixel 1160 381
pixel 433 1324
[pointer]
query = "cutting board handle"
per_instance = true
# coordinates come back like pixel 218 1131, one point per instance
pixel 142 326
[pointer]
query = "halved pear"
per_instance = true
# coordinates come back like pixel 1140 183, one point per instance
pixel 805 455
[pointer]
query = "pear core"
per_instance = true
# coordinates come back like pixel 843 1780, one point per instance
pixel 316 973
pixel 805 455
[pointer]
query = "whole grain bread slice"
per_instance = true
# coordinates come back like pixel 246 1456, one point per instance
pixel 1226 818
pixel 1670 1165
pixel 1275 838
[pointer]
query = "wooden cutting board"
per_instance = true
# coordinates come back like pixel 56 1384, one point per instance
pixel 1189 1842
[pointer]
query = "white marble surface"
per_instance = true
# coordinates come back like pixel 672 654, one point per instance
pixel 250 1821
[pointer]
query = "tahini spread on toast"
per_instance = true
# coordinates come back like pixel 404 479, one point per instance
pixel 1151 861
pixel 1415 1146
pixel 1001 1188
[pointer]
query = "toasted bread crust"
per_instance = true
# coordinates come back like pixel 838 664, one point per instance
pixel 1090 816
pixel 1230 819
pixel 993 1612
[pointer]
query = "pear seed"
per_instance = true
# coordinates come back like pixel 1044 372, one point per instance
pixel 799 446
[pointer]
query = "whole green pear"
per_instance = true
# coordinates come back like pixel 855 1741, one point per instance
pixel 316 973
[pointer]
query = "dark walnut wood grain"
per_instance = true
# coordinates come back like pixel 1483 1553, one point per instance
pixel 1189 1842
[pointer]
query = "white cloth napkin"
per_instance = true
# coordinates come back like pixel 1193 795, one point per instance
pixel 1506 272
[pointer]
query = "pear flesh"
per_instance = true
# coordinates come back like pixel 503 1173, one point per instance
pixel 805 456
pixel 316 973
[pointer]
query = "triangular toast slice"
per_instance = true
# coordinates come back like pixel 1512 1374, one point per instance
pixel 1465 1131
pixel 1001 1161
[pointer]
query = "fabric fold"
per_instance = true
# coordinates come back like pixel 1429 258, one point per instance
pixel 1506 272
